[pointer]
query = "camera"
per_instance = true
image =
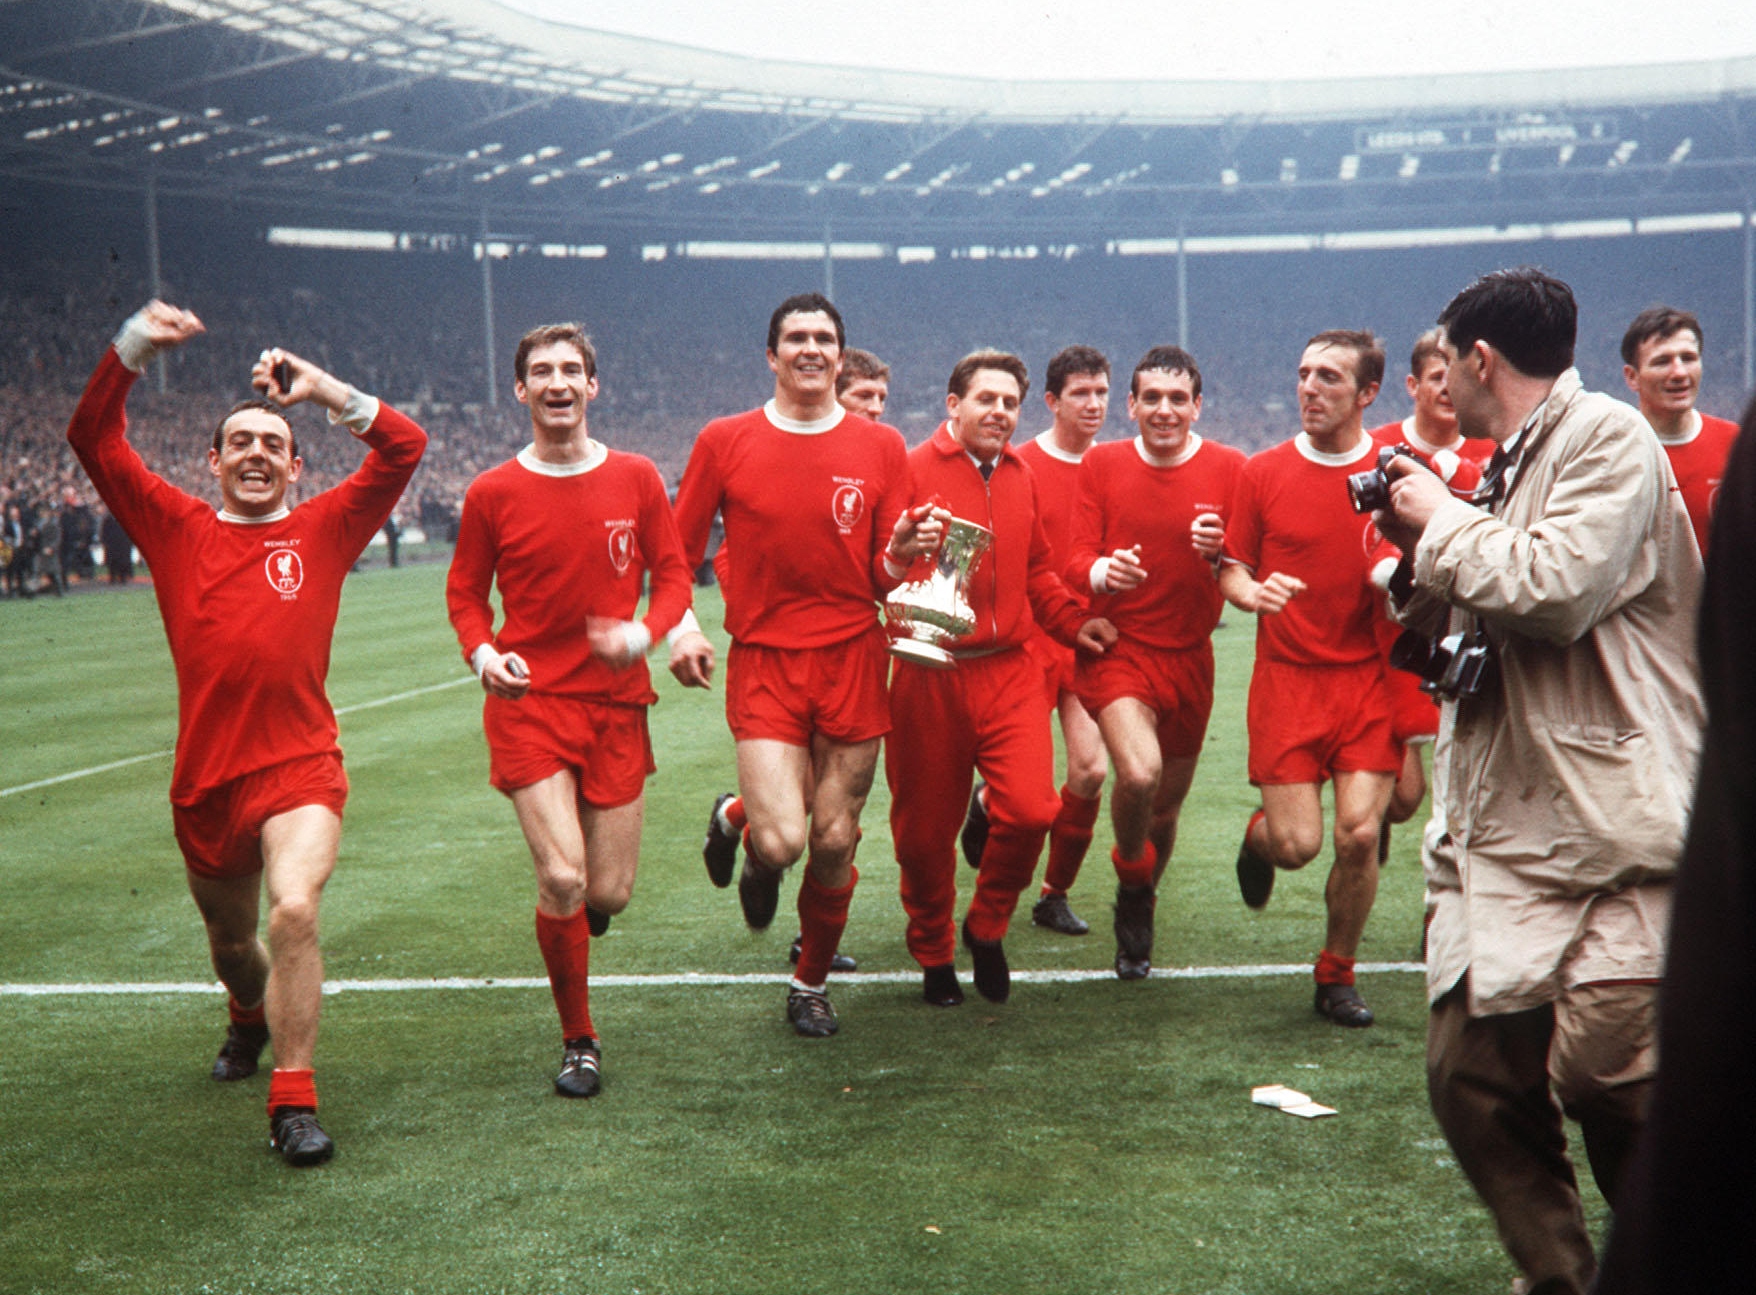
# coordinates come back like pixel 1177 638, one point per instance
pixel 1455 667
pixel 1370 490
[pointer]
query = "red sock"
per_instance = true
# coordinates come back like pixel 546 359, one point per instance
pixel 566 946
pixel 734 812
pixel 1135 872
pixel 1007 863
pixel 1333 969
pixel 292 1088
pixel 242 1015
pixel 823 916
pixel 1069 839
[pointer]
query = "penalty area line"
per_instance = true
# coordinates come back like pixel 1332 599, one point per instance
pixel 96 769
pixel 672 980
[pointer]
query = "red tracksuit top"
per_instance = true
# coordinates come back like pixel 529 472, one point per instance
pixel 249 608
pixel 1014 586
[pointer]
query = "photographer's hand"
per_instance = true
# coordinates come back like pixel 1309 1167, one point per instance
pixel 1416 493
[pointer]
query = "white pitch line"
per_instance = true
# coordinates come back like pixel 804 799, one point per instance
pixel 671 980
pixel 159 755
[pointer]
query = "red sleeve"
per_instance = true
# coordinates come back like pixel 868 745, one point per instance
pixel 366 499
pixel 1056 609
pixel 1243 542
pixel 698 498
pixel 472 573
pixel 672 584
pixel 898 495
pixel 98 434
pixel 1086 536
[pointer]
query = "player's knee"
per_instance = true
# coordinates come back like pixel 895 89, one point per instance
pixel 1086 772
pixel 293 918
pixel 1292 846
pixel 777 846
pixel 1356 842
pixel 610 896
pixel 835 838
pixel 1138 780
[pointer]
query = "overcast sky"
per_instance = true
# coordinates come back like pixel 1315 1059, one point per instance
pixel 1165 39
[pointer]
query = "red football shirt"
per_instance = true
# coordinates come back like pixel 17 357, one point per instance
pixel 1292 514
pixel 807 515
pixel 1057 495
pixel 249 607
pixel 565 545
pixel 1125 500
pixel 1698 461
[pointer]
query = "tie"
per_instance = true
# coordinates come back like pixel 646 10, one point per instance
pixel 987 471
pixel 1493 488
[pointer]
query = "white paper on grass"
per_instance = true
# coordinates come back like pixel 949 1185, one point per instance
pixel 1290 1100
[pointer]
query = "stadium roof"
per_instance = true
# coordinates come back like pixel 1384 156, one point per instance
pixel 461 114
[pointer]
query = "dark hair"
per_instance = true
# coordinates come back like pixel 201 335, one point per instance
pixel 1527 315
pixel 546 335
pixel 1073 361
pixel 1166 359
pixel 255 402
pixel 1659 322
pixel 860 366
pixel 805 303
pixel 1428 345
pixel 1368 352
pixel 975 361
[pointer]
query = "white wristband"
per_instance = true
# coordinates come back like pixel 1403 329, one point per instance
pixel 133 345
pixel 637 637
pixel 1100 576
pixel 358 413
pixel 688 625
pixel 479 659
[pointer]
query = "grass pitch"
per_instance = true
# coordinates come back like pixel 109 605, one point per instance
pixel 1089 1136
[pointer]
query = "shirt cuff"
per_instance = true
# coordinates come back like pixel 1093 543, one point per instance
pixel 358 413
pixel 1100 576
pixel 688 625
pixel 478 660
pixel 133 346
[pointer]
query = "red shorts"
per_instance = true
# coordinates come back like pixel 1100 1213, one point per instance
pixel 1414 714
pixel 603 744
pixel 221 834
pixel 1308 722
pixel 1177 684
pixel 1057 662
pixel 791 694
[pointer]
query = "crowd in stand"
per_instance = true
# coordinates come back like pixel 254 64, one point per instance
pixel 667 365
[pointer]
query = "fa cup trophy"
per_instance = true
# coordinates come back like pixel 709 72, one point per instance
pixel 932 611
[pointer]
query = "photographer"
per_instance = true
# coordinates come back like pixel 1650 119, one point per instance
pixel 1564 770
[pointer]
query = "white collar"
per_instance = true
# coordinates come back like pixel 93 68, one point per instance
pixel 278 515
pixel 1046 443
pixel 595 453
pixel 1683 437
pixel 1421 443
pixel 1367 449
pixel 832 419
pixel 1177 460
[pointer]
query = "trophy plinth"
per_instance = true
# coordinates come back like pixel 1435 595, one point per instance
pixel 932 612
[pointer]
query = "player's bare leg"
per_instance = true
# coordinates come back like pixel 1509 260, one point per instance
pixel 229 908
pixel 1405 797
pixel 551 816
pixel 1360 802
pixel 298 856
pixel 1145 803
pixel 1070 834
pixel 842 774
